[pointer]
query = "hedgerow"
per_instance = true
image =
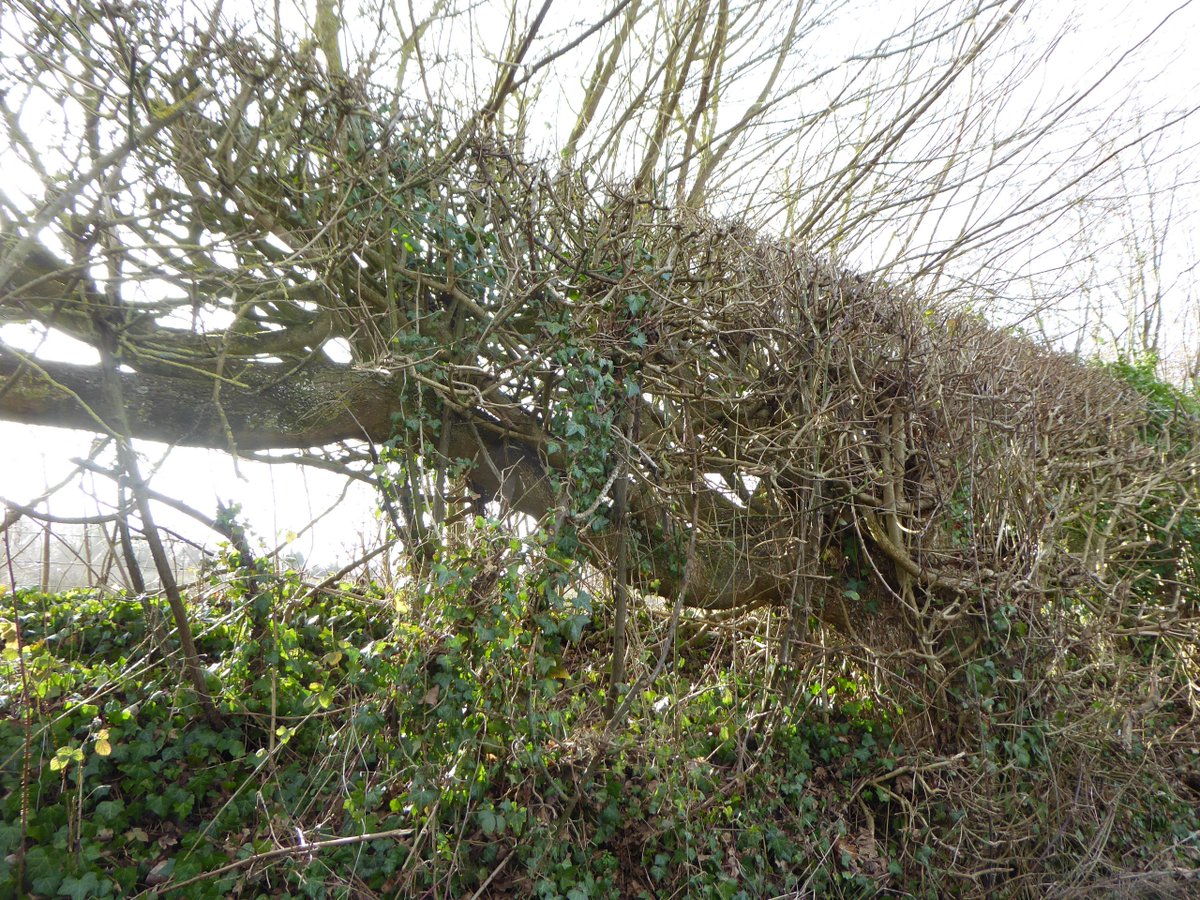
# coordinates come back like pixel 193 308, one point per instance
pixel 372 745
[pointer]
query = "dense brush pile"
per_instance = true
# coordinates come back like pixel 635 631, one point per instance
pixel 451 738
pixel 895 600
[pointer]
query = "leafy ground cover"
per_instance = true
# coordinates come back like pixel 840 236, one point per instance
pixel 453 738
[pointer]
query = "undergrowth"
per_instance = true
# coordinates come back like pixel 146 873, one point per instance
pixel 448 739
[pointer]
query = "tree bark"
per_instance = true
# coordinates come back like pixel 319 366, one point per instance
pixel 277 406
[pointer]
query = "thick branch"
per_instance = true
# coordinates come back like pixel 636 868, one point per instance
pixel 275 406
pixel 266 406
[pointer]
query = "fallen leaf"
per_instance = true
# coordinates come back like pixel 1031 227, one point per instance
pixel 160 872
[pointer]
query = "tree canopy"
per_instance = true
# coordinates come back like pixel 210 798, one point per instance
pixel 706 298
pixel 271 248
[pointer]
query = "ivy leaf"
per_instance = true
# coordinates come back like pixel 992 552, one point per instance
pixel 488 821
pixel 64 756
pixel 87 885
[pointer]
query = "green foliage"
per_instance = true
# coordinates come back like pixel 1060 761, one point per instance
pixel 467 737
pixel 1167 565
pixel 1171 412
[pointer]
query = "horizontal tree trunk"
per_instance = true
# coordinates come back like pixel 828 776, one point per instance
pixel 275 406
